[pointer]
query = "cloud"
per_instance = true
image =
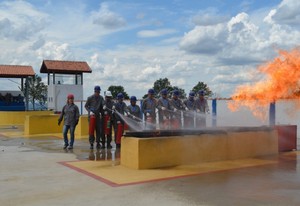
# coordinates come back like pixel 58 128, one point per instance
pixel 209 17
pixel 20 21
pixel 55 51
pixel 108 19
pixel 155 33
pixel 204 39
pixel 287 13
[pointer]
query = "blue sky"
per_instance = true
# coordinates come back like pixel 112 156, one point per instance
pixel 134 43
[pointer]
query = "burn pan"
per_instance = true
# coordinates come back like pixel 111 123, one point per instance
pixel 183 132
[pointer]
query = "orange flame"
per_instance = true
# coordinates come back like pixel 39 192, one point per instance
pixel 282 82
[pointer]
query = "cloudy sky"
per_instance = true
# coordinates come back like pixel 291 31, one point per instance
pixel 133 43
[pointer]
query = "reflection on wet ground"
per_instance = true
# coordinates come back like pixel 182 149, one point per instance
pixel 55 144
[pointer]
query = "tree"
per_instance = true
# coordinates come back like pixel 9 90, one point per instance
pixel 202 86
pixel 162 84
pixel 37 90
pixel 115 90
pixel 165 84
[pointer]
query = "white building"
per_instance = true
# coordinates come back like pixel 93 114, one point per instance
pixel 64 77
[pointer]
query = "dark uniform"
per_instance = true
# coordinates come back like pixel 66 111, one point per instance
pixel 202 108
pixel 178 107
pixel 120 108
pixel 95 104
pixel 148 108
pixel 108 111
pixel 190 114
pixel 135 111
pixel 164 107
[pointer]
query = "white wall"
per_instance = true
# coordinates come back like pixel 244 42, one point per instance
pixel 57 95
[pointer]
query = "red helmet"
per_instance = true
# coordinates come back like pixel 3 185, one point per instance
pixel 70 96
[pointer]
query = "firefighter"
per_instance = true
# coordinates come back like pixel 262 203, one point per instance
pixel 189 115
pixel 178 107
pixel 94 106
pixel 164 108
pixel 134 109
pixel 107 120
pixel 202 109
pixel 148 108
pixel 70 114
pixel 120 110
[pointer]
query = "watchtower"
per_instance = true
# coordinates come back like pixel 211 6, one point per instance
pixel 14 100
pixel 64 77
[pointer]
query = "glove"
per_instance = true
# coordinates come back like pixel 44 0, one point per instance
pixel 163 108
pixel 113 107
pixel 186 109
pixel 175 110
pixel 104 107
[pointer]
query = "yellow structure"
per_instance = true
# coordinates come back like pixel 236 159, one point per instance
pixel 18 118
pixel 45 124
pixel 159 152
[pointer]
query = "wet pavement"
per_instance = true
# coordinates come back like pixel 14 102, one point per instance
pixel 30 175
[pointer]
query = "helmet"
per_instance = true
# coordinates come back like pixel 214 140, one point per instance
pixel 176 93
pixel 108 94
pixel 97 89
pixel 192 94
pixel 201 92
pixel 70 96
pixel 120 96
pixel 133 98
pixel 164 91
pixel 151 91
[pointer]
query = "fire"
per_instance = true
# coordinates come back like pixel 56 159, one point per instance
pixel 282 81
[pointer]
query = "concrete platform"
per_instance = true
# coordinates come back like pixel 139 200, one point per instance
pixel 31 173
pixel 196 147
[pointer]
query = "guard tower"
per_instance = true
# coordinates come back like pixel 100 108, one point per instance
pixel 14 100
pixel 64 77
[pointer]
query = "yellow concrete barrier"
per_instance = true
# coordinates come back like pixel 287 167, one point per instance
pixel 46 124
pixel 159 152
pixel 41 124
pixel 18 118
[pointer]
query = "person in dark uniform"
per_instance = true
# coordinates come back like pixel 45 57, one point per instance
pixel 164 108
pixel 202 109
pixel 178 108
pixel 148 108
pixel 108 116
pixel 121 109
pixel 94 104
pixel 189 115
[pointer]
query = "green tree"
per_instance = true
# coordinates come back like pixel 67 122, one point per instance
pixel 202 86
pixel 165 84
pixel 162 84
pixel 36 90
pixel 115 90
